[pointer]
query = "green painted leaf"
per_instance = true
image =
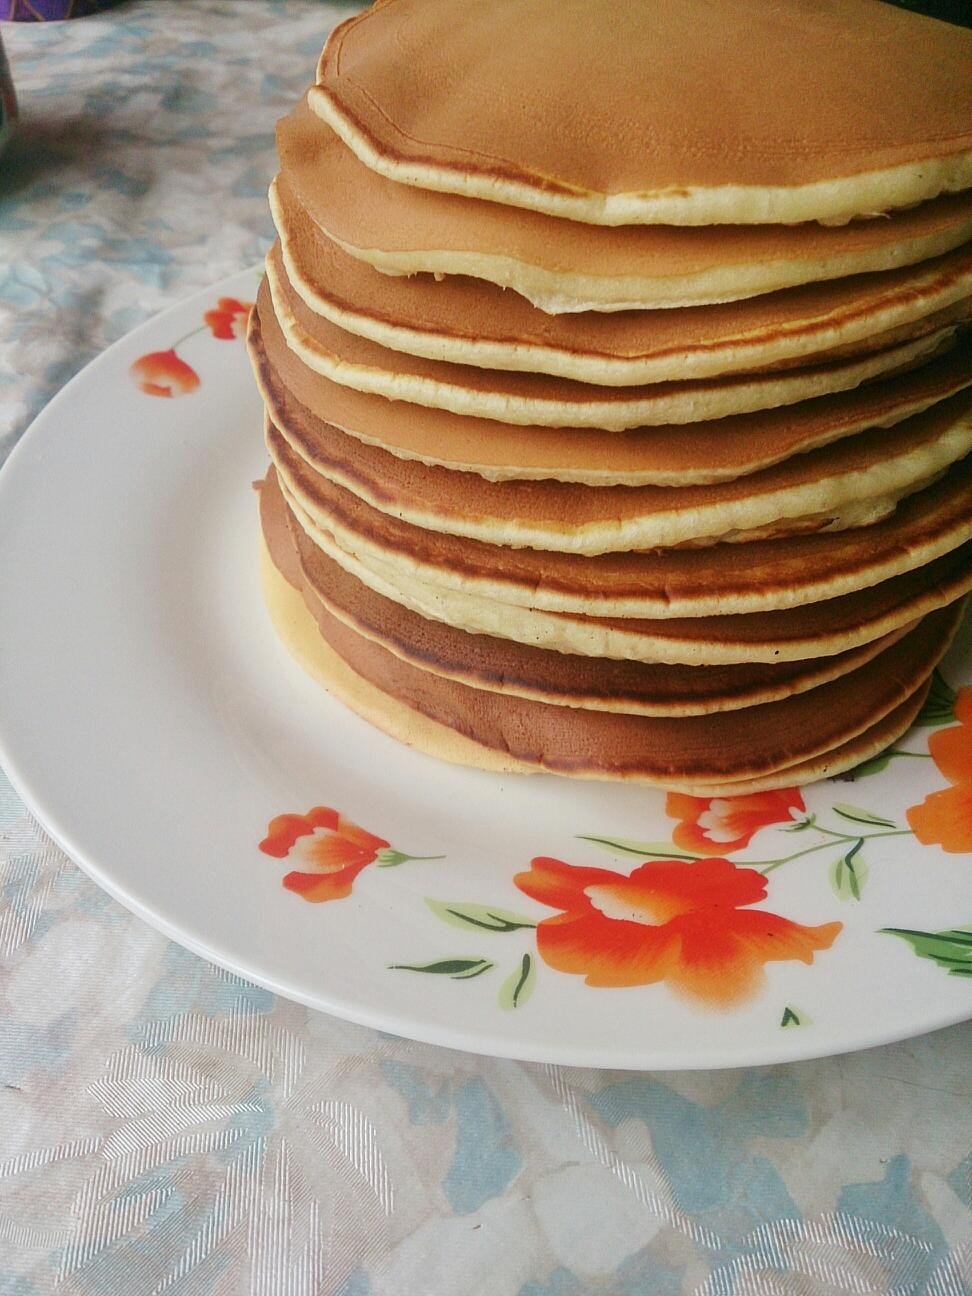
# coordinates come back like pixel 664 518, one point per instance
pixel 518 986
pixel 388 857
pixel 873 766
pixel 931 717
pixel 950 949
pixel 482 917
pixel 644 850
pixel 793 1018
pixel 848 874
pixel 856 815
pixel 802 825
pixel 459 969
pixel 939 706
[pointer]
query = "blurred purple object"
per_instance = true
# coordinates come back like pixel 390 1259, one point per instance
pixel 8 100
pixel 49 10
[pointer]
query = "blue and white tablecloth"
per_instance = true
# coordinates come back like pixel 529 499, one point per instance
pixel 168 1128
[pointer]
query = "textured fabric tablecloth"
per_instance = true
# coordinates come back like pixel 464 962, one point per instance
pixel 166 1127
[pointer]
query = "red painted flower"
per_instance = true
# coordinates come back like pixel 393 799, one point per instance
pixel 675 921
pixel 162 373
pixel 228 319
pixel 327 850
pixel 945 818
pixel 721 825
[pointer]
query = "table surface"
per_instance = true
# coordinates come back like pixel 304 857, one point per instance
pixel 149 1131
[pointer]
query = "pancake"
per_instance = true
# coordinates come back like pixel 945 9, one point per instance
pixel 855 482
pixel 691 454
pixel 469 321
pixel 562 265
pixel 526 398
pixel 520 670
pixel 747 744
pixel 798 112
pixel 299 632
pixel 810 630
pixel 684 582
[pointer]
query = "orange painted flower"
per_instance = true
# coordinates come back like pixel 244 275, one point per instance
pixel 327 850
pixel 162 373
pixel 228 319
pixel 684 923
pixel 721 825
pixel 945 818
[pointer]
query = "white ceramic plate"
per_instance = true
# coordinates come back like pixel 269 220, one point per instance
pixel 151 720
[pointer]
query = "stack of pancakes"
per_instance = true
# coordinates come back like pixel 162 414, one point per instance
pixel 617 399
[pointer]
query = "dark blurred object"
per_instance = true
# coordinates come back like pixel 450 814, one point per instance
pixel 8 100
pixel 953 11
pixel 49 10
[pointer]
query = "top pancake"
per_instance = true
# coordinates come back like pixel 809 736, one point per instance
pixel 566 265
pixel 639 111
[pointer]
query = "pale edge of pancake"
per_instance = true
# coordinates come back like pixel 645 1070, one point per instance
pixel 298 631
pixel 584 638
pixel 851 499
pixel 705 402
pixel 916 301
pixel 432 453
pixel 481 606
pixel 868 193
pixel 563 293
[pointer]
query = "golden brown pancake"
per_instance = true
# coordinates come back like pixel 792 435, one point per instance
pixel 299 632
pixel 716 580
pixel 526 398
pixel 819 629
pixel 748 743
pixel 469 321
pixel 751 743
pixel 852 483
pixel 564 265
pixel 678 111
pixel 525 671
pixel 691 454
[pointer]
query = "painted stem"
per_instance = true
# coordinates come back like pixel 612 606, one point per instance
pixel 186 336
pixel 767 866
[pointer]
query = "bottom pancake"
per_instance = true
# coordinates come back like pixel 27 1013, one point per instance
pixel 299 633
pixel 797 739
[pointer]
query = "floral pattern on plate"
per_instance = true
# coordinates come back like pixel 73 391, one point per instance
pixel 330 851
pixel 945 818
pixel 685 916
pixel 165 373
